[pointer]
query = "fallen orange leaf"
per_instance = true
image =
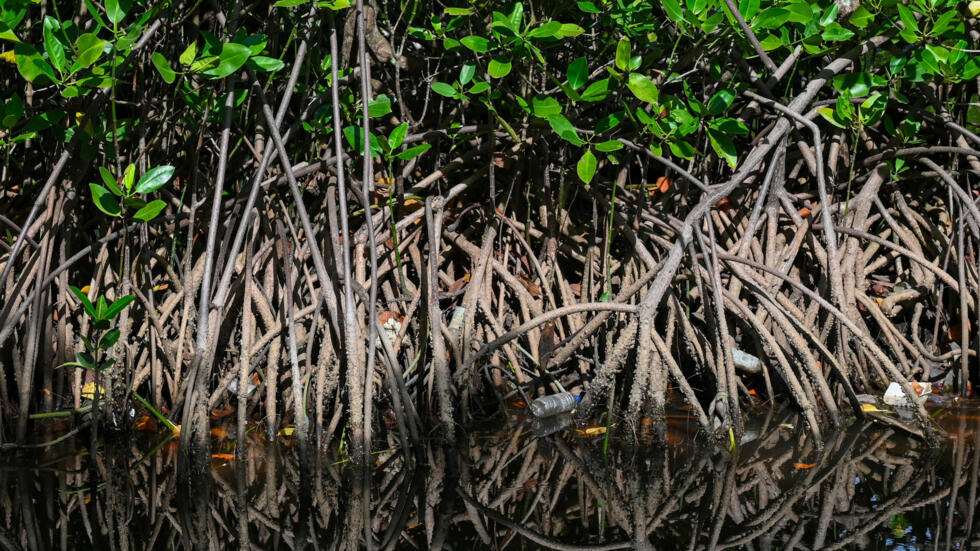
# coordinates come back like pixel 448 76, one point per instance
pixel 803 212
pixel 592 431
pixel 804 465
pixel 145 423
pixel 225 456
pixel 663 184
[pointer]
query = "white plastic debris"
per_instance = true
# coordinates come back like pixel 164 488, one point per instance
pixel 745 361
pixel 895 396
pixel 233 388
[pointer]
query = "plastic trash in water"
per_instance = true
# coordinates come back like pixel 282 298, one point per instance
pixel 745 361
pixel 233 387
pixel 547 426
pixel 553 404
pixel 895 396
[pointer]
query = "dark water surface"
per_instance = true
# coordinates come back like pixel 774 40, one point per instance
pixel 508 487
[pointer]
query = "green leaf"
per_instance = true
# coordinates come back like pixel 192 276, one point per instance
pixel 94 12
pixel 516 16
pixel 413 152
pixel 570 29
pixel 836 33
pixel 466 73
pixel 150 211
pixel 545 106
pixel 116 10
pixel 100 308
pixel 355 137
pixel 479 87
pixel 188 55
pixel 772 18
pixel 128 177
pixel 256 42
pixel 104 200
pixel 829 15
pixel 564 129
pixel 723 146
pixel 204 64
pixel 546 30
pixel 289 3
pixel 499 67
pixel 578 73
pixel 476 43
pixel 31 65
pixel 588 7
pixel 266 64
pixel 110 181
pixel 857 84
pixel 908 18
pixel 611 145
pixel 90 49
pixel 163 67
pixel 154 179
pixel 623 53
pixel 861 17
pixel 597 91
pixel 54 49
pixel 109 339
pixel 643 88
pixel 7 34
pixel 397 135
pixel 380 107
pixel 749 8
pixel 586 166
pixel 444 89
pixel 673 9
pixel 720 102
pixel 943 22
pixel 610 121
pixel 134 202
pixel 682 149
pixel 458 11
pixel 86 303
pixel 729 126
pixel 231 59
pixel 117 306
pixel 12 112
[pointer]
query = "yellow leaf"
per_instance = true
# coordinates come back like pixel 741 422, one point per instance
pixel 871 408
pixel 84 290
pixel 592 431
pixel 287 431
pixel 975 8
pixel 88 391
pixel 8 56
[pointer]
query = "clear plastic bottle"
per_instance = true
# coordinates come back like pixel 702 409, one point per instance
pixel 546 426
pixel 547 406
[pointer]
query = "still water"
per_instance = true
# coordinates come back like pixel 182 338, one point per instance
pixel 512 486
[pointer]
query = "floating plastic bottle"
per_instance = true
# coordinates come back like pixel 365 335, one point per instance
pixel 745 361
pixel 548 406
pixel 546 426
